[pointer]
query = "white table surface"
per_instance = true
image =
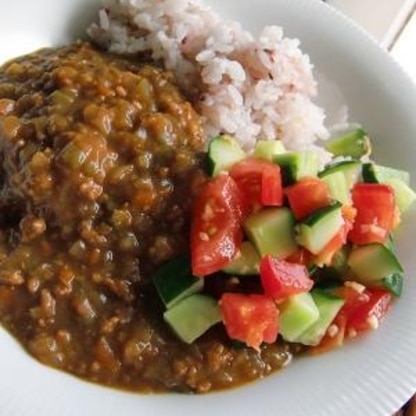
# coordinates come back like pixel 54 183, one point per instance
pixel 383 19
pixel 392 23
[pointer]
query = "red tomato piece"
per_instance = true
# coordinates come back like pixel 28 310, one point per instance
pixel 361 312
pixel 306 196
pixel 280 278
pixel 376 209
pixel 302 256
pixel 251 319
pixel 260 180
pixel 354 298
pixel 271 186
pixel 368 316
pixel 216 232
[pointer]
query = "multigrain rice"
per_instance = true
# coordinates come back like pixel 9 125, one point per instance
pixel 248 87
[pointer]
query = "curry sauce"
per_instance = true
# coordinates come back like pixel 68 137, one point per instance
pixel 101 158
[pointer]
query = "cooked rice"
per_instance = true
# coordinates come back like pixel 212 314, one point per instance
pixel 248 87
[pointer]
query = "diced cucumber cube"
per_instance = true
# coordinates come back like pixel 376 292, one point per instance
pixel 271 231
pixel 354 143
pixel 374 265
pixel 404 195
pixel 316 231
pixel 328 305
pixel 296 314
pixel 174 281
pixel 193 316
pixel 267 149
pixel 374 173
pixel 223 152
pixel 297 165
pixel 337 186
pixel 246 262
pixel 351 169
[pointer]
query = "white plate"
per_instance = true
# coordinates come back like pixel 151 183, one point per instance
pixel 371 376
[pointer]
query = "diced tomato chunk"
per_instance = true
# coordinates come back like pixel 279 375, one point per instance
pixel 301 256
pixel 355 296
pixel 260 180
pixel 281 279
pixel 216 231
pixel 362 311
pixel 376 210
pixel 306 196
pixel 271 186
pixel 368 316
pixel 251 319
pixel 363 308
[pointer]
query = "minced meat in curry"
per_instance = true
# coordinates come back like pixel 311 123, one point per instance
pixel 100 160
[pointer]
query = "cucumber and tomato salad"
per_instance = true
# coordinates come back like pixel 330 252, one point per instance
pixel 319 243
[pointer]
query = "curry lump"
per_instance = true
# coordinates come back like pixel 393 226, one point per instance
pixel 100 160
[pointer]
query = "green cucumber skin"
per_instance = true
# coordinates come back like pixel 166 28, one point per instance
pixel 319 228
pixel 375 265
pixel 174 280
pixel 393 283
pixel 317 216
pixel 352 170
pixel 287 163
pixel 374 173
pixel 296 165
